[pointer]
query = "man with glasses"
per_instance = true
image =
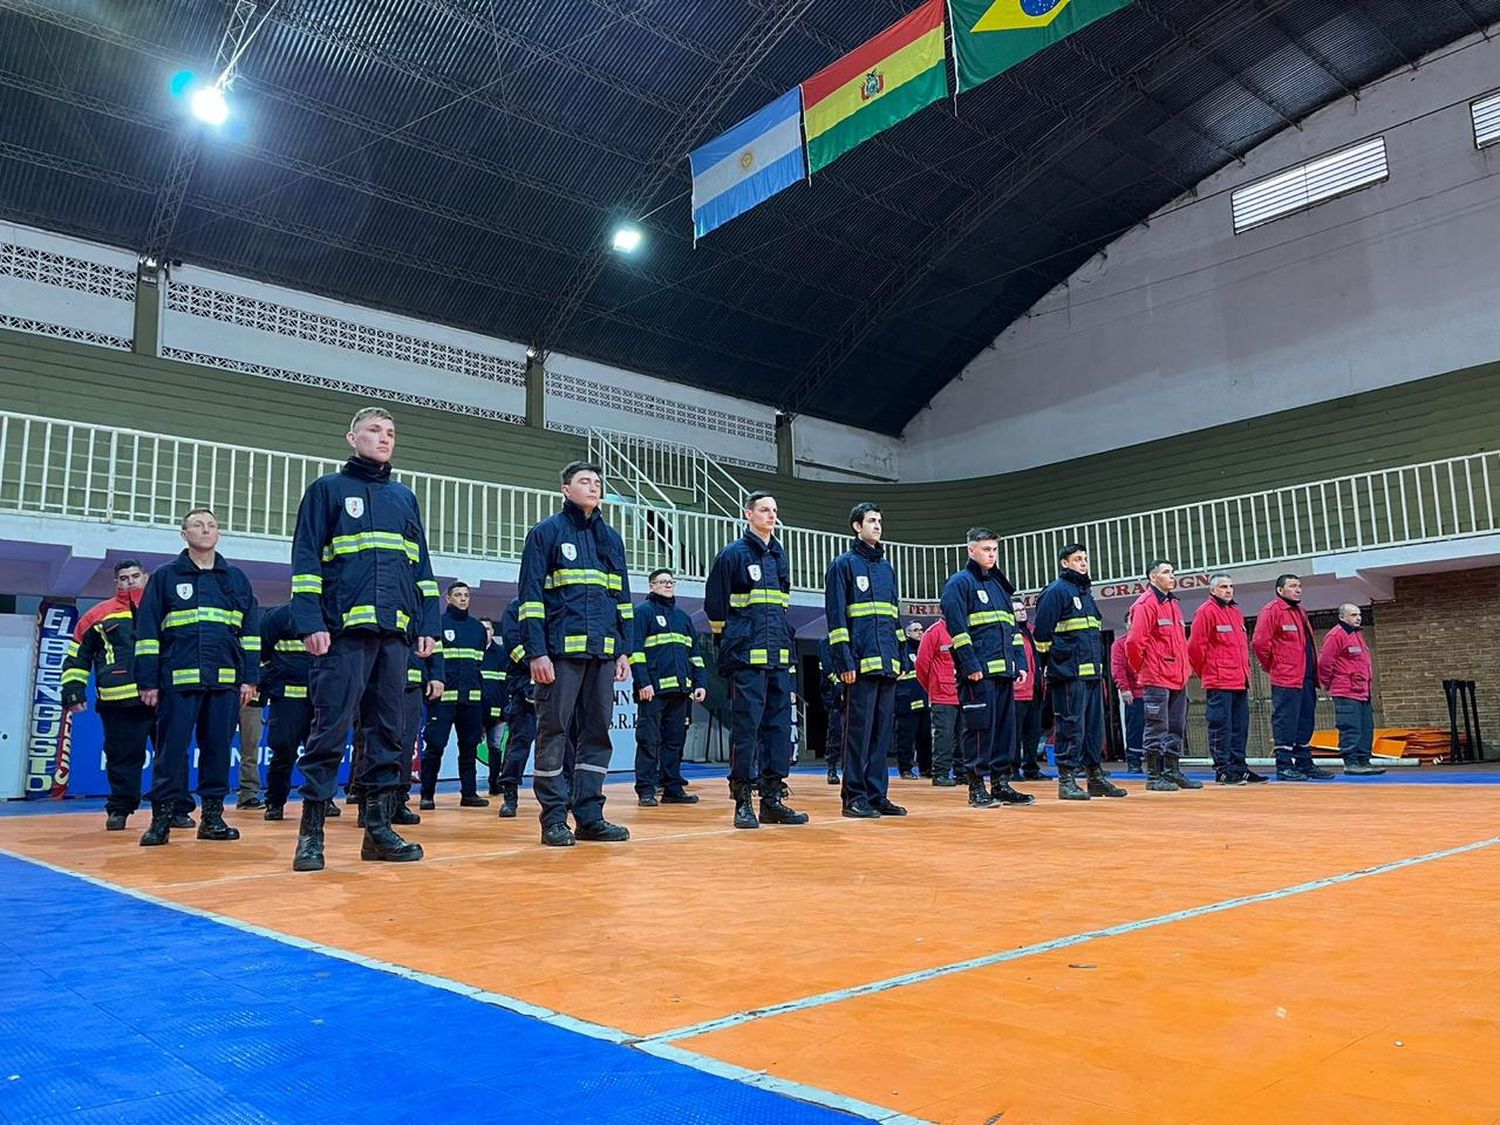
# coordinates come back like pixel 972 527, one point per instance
pixel 668 681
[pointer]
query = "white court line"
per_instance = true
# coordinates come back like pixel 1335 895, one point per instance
pixel 841 994
pixel 759 1079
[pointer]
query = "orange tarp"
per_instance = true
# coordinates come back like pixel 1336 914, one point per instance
pixel 1426 743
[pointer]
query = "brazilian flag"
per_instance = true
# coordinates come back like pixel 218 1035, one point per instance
pixel 991 36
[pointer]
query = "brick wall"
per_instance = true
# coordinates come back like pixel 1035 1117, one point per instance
pixel 1440 626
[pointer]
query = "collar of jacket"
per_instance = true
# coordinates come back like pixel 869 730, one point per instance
pixel 1346 627
pixel 979 572
pixel 761 546
pixel 185 565
pixel 365 469
pixel 662 600
pixel 1081 580
pixel 455 613
pixel 1297 604
pixel 577 516
pixel 1163 595
pixel 1222 602
pixel 865 551
pixel 129 599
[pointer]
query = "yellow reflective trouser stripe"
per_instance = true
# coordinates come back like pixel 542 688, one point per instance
pixel 532 611
pixel 291 646
pixel 295 691
pixel 76 676
pixel 371 541
pixel 148 647
pixel 186 676
pixel 872 609
pixel 668 639
pixel 962 639
pixel 307 583
pixel 990 616
pixel 204 615
pixel 760 597
pixel 582 576
pixel 838 636
pixel 1076 624
pixel 427 587
pixel 119 691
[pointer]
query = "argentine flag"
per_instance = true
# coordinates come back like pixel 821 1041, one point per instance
pixel 748 164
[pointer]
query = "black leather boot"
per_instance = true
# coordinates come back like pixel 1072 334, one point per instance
pixel 160 830
pixel 1067 787
pixel 773 810
pixel 274 812
pixel 979 796
pixel 1003 792
pixel 603 832
pixel 744 811
pixel 508 799
pixel 1101 786
pixel 1156 780
pixel 1172 773
pixel 332 809
pixel 381 841
pixel 309 855
pixel 401 811
pixel 212 826
pixel 833 775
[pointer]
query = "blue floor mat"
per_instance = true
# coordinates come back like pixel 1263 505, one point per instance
pixel 120 1010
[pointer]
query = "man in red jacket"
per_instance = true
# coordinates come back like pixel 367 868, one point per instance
pixel 1283 644
pixel 1156 648
pixel 1219 652
pixel 1345 671
pixel 1027 763
pixel 936 675
pixel 1135 703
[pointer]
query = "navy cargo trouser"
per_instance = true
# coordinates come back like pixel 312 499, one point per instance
pixel 212 716
pixel 760 744
pixel 442 718
pixel 660 734
pixel 362 673
pixel 1078 708
pixel 291 723
pixel 869 727
pixel 576 709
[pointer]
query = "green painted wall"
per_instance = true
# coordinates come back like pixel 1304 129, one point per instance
pixel 1452 414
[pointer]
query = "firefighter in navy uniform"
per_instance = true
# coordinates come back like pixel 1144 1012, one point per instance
pixel 865 639
pixel 461 706
pixel 833 704
pixel 104 644
pixel 362 594
pixel 1065 629
pixel 424 681
pixel 575 612
pixel 520 712
pixel 668 677
pixel 492 668
pixel 913 723
pixel 746 598
pixel 197 660
pixel 283 681
pixel 988 656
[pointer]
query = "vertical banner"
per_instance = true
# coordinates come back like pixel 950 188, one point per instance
pixel 48 745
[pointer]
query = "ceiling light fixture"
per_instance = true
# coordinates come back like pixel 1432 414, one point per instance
pixel 626 239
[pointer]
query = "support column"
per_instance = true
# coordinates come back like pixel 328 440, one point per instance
pixel 148 304
pixel 786 457
pixel 536 392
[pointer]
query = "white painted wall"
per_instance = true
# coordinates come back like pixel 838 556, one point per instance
pixel 831 451
pixel 60 286
pixel 1182 325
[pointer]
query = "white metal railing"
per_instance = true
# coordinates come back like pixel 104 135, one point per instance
pixel 78 471
pixel 637 465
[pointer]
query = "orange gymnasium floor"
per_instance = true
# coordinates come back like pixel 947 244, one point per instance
pixel 1284 953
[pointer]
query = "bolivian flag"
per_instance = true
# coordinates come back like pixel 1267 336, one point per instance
pixel 885 81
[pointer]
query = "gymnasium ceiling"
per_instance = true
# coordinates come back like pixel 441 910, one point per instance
pixel 465 161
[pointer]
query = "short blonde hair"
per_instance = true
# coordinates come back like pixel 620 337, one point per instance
pixel 369 412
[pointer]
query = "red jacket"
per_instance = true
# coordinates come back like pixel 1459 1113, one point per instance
pixel 1282 641
pixel 1032 688
pixel 1218 649
pixel 1119 668
pixel 1156 644
pixel 935 665
pixel 1344 665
